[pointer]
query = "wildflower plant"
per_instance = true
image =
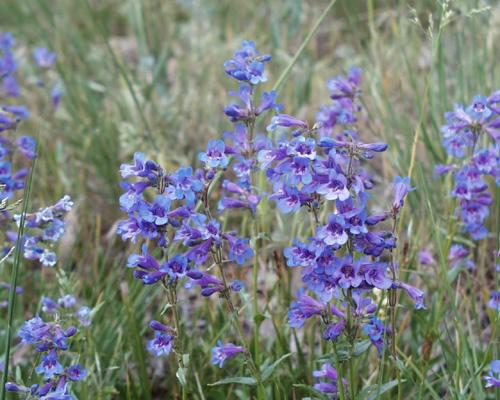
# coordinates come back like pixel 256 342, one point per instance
pixel 319 168
pixel 53 341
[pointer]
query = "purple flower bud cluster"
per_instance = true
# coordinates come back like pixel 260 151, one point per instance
pixel 345 259
pixel 471 137
pixel 51 341
pixel 344 92
pixel 44 229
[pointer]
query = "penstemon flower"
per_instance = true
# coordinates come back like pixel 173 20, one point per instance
pixel 223 352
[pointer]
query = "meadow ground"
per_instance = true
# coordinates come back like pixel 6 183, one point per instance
pixel 148 76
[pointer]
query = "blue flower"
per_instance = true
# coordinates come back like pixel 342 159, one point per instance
pixel 239 251
pixel 176 267
pixel 223 352
pixel 492 379
pixel 76 373
pixel 304 308
pixel 161 345
pixel 333 234
pixel 49 366
pixel 215 156
pixel 376 331
pixel 247 64
pixel 43 57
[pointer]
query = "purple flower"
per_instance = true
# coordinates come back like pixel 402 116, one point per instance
pixel 303 308
pixel 49 366
pixel 328 377
pixel 335 187
pixel 341 87
pixel 289 199
pixel 492 379
pixel 176 267
pixel 494 301
pixel 299 255
pixel 375 275
pixel 425 257
pixel 333 330
pixel 239 250
pixel 236 285
pixel 348 274
pixel 247 64
pixel 209 284
pixel 334 232
pixel 376 331
pixel 287 121
pixel 33 330
pixel 161 345
pixel 415 294
pixel 27 146
pixel 43 57
pixel 215 156
pixel 223 352
pixel 401 187
pixel 76 373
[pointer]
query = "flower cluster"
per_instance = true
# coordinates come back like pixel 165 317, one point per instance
pixel 44 229
pixel 168 216
pixel 344 260
pixel 465 138
pixel 52 340
pixel 8 66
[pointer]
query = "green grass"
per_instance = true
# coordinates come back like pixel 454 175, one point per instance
pixel 147 75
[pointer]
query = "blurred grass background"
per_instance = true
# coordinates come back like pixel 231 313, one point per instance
pixel 147 75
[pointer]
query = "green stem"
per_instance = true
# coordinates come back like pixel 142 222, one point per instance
pixel 350 364
pixel 340 386
pixel 178 343
pixel 235 321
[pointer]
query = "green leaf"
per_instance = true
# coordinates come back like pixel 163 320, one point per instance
pixel 269 370
pixel 371 392
pixel 181 376
pixel 165 308
pixel 361 347
pixel 242 380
